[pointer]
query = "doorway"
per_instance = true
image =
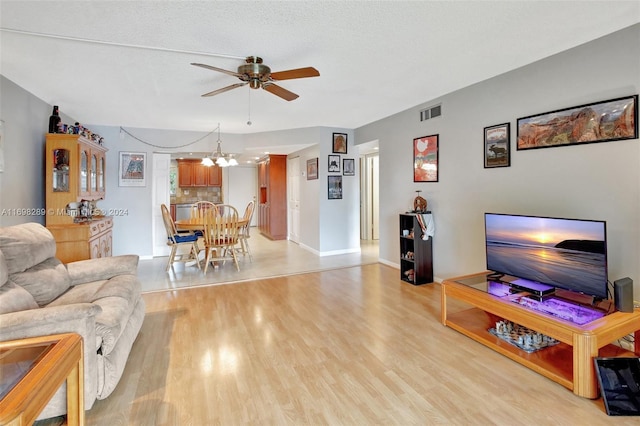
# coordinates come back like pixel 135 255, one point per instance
pixel 241 187
pixel 293 199
pixel 369 191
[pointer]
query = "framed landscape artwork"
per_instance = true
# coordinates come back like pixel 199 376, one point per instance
pixel 425 159
pixel 612 120
pixel 497 148
pixel 132 169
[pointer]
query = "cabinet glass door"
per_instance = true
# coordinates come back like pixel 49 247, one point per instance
pixel 94 174
pixel 60 170
pixel 84 171
pixel 101 174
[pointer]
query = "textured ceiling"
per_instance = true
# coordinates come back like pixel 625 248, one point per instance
pixel 128 63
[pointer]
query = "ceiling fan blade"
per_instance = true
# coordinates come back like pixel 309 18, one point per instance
pixel 279 91
pixel 297 73
pixel 224 89
pixel 209 67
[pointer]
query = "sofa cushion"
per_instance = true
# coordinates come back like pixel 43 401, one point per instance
pixel 14 298
pixel 45 281
pixel 4 272
pixel 26 245
pixel 117 297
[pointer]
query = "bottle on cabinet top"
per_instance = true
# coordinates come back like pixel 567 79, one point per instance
pixel 54 120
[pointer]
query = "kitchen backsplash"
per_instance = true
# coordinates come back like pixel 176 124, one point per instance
pixel 191 195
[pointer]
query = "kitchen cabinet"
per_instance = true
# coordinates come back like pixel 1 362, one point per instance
pixel 194 173
pixel 272 196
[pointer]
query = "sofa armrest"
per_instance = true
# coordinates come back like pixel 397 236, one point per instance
pixel 76 318
pixel 104 268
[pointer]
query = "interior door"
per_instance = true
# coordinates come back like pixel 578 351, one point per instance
pixel 293 198
pixel 375 208
pixel 369 194
pixel 242 187
pixel 160 195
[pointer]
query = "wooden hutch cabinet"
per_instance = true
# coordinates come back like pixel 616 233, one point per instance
pixel 75 171
pixel 194 173
pixel 272 193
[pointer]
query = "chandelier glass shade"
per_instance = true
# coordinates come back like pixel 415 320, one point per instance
pixel 218 157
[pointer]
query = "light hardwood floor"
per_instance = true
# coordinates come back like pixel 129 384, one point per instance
pixel 348 346
pixel 270 259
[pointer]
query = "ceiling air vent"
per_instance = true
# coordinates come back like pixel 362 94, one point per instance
pixel 431 112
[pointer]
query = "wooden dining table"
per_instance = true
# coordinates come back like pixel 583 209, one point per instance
pixel 197 224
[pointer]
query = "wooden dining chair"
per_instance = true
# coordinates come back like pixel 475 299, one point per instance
pixel 221 235
pixel 201 208
pixel 244 233
pixel 177 240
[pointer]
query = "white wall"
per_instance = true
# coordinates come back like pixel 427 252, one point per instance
pixel 594 181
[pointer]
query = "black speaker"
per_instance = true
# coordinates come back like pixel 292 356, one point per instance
pixel 623 294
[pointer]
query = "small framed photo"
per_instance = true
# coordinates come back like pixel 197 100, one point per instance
pixel 497 146
pixel 348 167
pixel 334 163
pixel 334 187
pixel 131 171
pixel 312 169
pixel 339 143
pixel 425 159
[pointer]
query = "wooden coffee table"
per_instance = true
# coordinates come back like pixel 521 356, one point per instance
pixel 33 369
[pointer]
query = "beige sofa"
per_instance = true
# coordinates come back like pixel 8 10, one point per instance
pixel 98 299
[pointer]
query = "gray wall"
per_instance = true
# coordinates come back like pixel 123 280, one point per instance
pixel 593 181
pixel 26 120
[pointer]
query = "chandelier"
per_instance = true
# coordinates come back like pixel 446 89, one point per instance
pixel 218 157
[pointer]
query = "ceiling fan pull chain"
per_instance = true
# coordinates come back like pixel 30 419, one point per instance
pixel 249 121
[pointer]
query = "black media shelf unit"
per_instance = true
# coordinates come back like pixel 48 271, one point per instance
pixel 416 258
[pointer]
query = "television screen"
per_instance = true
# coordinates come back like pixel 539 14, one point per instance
pixel 565 253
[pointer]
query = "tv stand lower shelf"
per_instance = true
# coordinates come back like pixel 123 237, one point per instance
pixel 569 363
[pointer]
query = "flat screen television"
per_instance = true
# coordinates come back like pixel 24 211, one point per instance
pixel 565 253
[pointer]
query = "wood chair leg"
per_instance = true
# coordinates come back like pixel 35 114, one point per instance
pixel 235 259
pixel 194 254
pixel 172 257
pixel 207 258
pixel 247 249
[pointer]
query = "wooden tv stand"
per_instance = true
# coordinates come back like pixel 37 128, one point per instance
pixel 569 363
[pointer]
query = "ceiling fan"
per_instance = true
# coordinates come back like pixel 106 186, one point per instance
pixel 257 75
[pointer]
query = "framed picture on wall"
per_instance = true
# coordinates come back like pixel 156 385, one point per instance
pixel 348 167
pixel 497 147
pixel 334 187
pixel 612 120
pixel 334 164
pixel 312 169
pixel 131 171
pixel 425 159
pixel 339 143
